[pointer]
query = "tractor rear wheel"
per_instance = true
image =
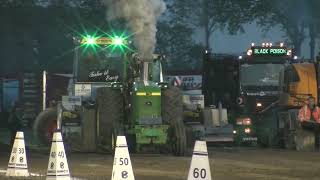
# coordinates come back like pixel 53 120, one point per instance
pixel 45 124
pixel 109 116
pixel 172 114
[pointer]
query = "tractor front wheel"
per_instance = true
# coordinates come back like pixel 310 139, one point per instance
pixel 109 115
pixel 172 114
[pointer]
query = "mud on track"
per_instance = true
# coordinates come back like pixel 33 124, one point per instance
pixel 238 164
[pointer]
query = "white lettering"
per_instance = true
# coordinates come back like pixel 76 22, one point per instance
pixel 95 74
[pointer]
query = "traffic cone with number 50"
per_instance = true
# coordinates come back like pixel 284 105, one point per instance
pixel 122 168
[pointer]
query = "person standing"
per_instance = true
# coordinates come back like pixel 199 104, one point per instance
pixel 15 121
pixel 311 113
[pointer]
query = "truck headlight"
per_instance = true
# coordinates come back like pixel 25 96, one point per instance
pixel 247 121
pixel 247 130
pixel 244 121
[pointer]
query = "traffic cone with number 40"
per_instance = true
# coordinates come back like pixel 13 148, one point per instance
pixel 58 168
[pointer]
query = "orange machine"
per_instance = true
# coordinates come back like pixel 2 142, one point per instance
pixel 298 82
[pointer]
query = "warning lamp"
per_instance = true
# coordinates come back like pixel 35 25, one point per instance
pixel 270 44
pixel 252 44
pixel 259 105
pixel 281 44
pixel 263 44
pixel 289 52
pixel 249 52
pixel 295 57
pixel 267 44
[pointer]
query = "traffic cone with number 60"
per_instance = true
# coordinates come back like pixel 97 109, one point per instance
pixel 122 168
pixel 58 168
pixel 200 167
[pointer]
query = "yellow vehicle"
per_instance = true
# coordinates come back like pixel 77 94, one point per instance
pixel 299 81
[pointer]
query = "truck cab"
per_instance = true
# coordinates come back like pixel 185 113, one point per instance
pixel 259 72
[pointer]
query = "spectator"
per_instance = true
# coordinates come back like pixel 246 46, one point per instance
pixel 311 113
pixel 15 121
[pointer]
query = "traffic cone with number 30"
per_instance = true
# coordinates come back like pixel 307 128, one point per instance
pixel 122 168
pixel 17 165
pixel 58 168
pixel 200 167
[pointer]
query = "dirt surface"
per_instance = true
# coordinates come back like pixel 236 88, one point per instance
pixel 226 164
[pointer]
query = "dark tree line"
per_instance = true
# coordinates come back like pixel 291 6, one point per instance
pixel 37 34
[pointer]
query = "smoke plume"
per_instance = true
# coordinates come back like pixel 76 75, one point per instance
pixel 141 17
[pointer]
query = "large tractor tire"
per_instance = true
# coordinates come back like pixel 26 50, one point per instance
pixel 89 132
pixel 289 140
pixel 297 137
pixel 109 117
pixel 304 140
pixel 45 125
pixel 172 114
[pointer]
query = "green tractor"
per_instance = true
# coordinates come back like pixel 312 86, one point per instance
pixel 121 94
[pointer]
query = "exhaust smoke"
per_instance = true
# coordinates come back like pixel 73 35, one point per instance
pixel 141 17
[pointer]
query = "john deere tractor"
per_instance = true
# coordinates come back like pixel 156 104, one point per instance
pixel 121 94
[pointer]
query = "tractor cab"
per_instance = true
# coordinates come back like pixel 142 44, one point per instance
pixel 99 62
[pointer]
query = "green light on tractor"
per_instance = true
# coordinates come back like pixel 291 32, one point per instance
pixel 91 40
pixel 118 41
pixel 112 41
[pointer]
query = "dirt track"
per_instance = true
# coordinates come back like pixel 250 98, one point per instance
pixel 240 164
